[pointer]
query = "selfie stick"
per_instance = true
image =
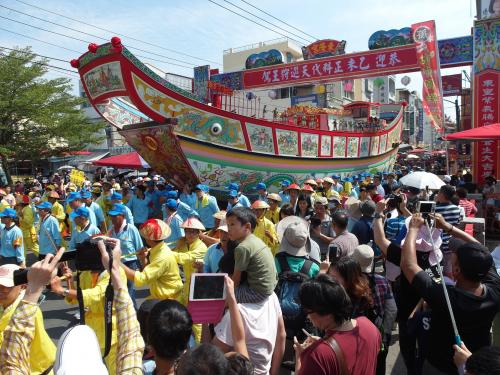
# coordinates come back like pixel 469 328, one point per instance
pixel 458 340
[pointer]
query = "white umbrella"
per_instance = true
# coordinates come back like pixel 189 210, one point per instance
pixel 65 167
pixel 422 180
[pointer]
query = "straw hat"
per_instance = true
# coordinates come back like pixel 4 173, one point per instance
pixel 293 187
pixel 192 223
pixel 311 182
pixel 328 179
pixel 53 194
pixel 307 188
pixel 223 228
pixel 274 197
pixel 221 215
pixel 155 230
pixel 293 234
pixel 259 205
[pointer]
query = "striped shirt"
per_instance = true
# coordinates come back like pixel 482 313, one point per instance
pixel 451 215
pixel 468 206
pixel 393 226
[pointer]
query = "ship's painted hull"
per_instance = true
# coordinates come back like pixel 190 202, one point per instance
pixel 246 149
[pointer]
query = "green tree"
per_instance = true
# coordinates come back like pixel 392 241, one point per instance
pixel 39 117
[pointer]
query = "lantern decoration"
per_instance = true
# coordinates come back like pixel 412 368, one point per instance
pixel 117 44
pixel 93 47
pixel 272 94
pixel 75 63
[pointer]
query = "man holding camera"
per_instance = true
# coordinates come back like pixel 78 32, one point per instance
pixel 49 237
pixel 11 242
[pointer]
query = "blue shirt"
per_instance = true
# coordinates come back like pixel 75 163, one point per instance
pixel 92 220
pixel 393 227
pixel 78 237
pixel 154 196
pixel 130 240
pixel 206 213
pixel 285 198
pixel 98 212
pixel 174 222
pixel 139 208
pixel 238 204
pixel 212 258
pixel 11 244
pixel 183 210
pixel 49 227
pixel 245 202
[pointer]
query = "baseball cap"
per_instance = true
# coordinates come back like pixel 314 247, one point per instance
pixel 80 212
pixel 199 187
pixel 117 209
pixel 172 194
pixel 260 186
pixel 233 186
pixel 171 203
pixel 474 260
pixel 336 176
pixel 232 194
pixel 7 274
pixel 44 206
pixel 73 196
pixel 363 254
pixel 9 212
pixel 86 194
pixel 447 178
pixel 285 183
pixel 115 197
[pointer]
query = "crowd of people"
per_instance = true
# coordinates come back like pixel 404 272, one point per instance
pixel 318 276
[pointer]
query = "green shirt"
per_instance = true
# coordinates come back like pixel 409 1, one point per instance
pixel 295 263
pixel 253 256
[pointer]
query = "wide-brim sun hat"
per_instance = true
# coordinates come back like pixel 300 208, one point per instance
pixel 155 230
pixel 328 180
pixel 364 255
pixel 311 182
pixel 307 188
pixel 193 223
pixel 293 234
pixel 7 274
pixel 293 187
pixel 221 215
pixel 274 197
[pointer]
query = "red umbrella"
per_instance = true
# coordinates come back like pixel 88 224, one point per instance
pixel 486 133
pixel 131 160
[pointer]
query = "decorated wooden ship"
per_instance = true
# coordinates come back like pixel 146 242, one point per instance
pixel 192 142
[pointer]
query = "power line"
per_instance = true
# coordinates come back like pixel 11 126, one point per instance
pixel 249 19
pixel 36 54
pixel 36 62
pixel 114 32
pixel 277 19
pixel 87 41
pixel 262 19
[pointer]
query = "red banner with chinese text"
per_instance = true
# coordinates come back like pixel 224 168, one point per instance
pixel 424 34
pixel 486 112
pixel 353 65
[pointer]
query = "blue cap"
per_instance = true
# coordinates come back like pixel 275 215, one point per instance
pixel 348 179
pixel 80 212
pixel 9 212
pixel 355 177
pixel 117 209
pixel 205 188
pixel 199 187
pixel 115 197
pixel 285 183
pixel 336 176
pixel 86 194
pixel 171 194
pixel 399 173
pixel 150 183
pixel 385 173
pixel 171 203
pixel 169 187
pixel 260 186
pixel 45 206
pixel 233 194
pixel 73 196
pixel 233 186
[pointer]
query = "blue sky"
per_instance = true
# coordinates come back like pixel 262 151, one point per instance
pixel 202 29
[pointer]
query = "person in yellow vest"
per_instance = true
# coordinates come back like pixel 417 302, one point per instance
pixel 27 224
pixel 3 203
pixel 273 213
pixel 190 249
pixel 58 212
pixel 42 351
pixel 328 190
pixel 265 229
pixel 160 271
pixel 103 200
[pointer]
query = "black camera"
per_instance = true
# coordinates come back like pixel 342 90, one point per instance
pixel 394 200
pixel 87 257
pixel 315 222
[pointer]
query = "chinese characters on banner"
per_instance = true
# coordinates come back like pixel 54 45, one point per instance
pixel 364 64
pixel 487 91
pixel 424 34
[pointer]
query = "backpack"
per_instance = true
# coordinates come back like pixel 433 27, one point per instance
pixel 288 287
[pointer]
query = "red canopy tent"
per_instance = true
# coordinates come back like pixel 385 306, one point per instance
pixel 417 151
pixel 131 160
pixel 486 133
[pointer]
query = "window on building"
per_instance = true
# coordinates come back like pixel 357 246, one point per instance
pixel 283 93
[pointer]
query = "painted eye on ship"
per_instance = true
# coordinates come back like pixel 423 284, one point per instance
pixel 216 128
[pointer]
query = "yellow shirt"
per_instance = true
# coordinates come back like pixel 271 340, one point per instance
pixel 273 216
pixel 332 193
pixel 42 350
pixel 260 231
pixel 185 255
pixel 93 299
pixel 4 205
pixel 161 274
pixel 27 218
